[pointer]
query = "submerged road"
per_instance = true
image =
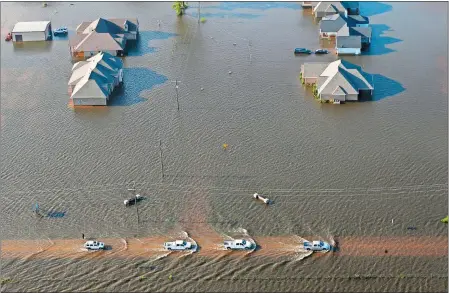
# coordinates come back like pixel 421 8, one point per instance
pixel 210 246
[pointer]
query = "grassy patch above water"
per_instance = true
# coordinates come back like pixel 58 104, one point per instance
pixel 445 220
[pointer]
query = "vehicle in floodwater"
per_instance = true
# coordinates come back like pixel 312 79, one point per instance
pixel 317 246
pixel 302 51
pixel 238 244
pixel 178 245
pixel 94 245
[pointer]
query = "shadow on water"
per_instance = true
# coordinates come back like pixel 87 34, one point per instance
pixel 374 8
pixel 385 87
pixel 142 46
pixel 136 80
pixel 379 41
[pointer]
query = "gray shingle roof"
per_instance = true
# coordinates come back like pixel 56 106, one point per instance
pixel 112 25
pixel 349 42
pixel 342 74
pixel 329 6
pixel 95 77
pixel 332 24
pixel 98 42
pixel 358 19
pixel 313 69
pixel 361 31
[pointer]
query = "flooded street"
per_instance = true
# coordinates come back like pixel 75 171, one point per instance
pixel 370 177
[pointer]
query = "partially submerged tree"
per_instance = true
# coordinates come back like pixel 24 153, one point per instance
pixel 180 7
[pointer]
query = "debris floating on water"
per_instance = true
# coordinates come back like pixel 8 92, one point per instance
pixel 230 72
pixel 264 199
pixel 202 88
pixel 225 146
pixel 235 44
pixel 133 200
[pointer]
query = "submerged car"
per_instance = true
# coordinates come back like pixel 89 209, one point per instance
pixel 302 51
pixel 178 245
pixel 60 31
pixel 238 244
pixel 321 51
pixel 94 245
pixel 317 246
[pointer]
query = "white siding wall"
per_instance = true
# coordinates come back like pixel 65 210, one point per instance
pixel 31 36
pixel 89 102
pixel 352 97
pixel 89 54
pixel 348 51
pixel 341 98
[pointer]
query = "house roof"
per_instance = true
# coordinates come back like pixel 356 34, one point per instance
pixel 98 42
pixel 132 23
pixel 95 76
pixel 101 25
pixel 340 77
pixel 332 23
pixel 339 91
pixel 329 7
pixel 358 19
pixel 349 42
pixel 89 88
pixel 30 26
pixel 112 25
pixel 313 69
pixel 361 31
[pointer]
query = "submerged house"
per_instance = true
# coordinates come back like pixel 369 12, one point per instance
pixel 337 81
pixel 103 35
pixel 365 34
pixel 93 81
pixel 309 4
pixel 32 31
pixel 348 45
pixel 323 9
pixel 352 33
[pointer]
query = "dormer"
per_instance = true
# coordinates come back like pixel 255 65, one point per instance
pixel 125 26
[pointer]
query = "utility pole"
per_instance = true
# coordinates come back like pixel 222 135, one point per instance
pixel 177 94
pixel 199 13
pixel 160 155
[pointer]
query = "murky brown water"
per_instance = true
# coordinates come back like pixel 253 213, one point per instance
pixel 360 174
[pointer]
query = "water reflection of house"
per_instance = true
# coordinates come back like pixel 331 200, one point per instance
pixel 108 35
pixel 93 81
pixel 338 80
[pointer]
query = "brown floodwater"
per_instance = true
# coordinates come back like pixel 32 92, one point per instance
pixel 369 177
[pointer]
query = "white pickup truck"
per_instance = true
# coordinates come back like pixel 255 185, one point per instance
pixel 238 244
pixel 317 246
pixel 94 245
pixel 178 245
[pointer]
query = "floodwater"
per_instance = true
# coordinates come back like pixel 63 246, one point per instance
pixel 370 177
